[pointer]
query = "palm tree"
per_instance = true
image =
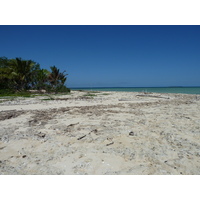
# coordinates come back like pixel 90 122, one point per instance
pixel 22 70
pixel 56 78
pixel 7 74
pixel 40 79
pixel 17 74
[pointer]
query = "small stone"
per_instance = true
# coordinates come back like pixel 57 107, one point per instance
pixel 132 133
pixel 42 135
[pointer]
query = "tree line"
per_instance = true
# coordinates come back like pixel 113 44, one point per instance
pixel 18 75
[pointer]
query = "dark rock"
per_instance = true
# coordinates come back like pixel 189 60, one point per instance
pixel 132 133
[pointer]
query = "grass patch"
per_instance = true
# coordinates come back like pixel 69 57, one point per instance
pixel 89 95
pixel 105 94
pixel 17 94
pixel 94 92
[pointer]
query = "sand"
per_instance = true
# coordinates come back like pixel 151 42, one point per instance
pixel 108 133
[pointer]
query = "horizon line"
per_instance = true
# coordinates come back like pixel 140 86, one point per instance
pixel 135 87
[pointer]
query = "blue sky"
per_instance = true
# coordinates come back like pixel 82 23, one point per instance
pixel 110 56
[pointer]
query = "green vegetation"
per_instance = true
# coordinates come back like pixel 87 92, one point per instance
pixel 89 95
pixel 18 76
pixel 94 92
pixel 5 93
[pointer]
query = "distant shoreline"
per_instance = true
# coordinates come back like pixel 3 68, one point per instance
pixel 170 89
pixel 142 87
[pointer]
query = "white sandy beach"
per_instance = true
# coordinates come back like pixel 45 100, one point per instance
pixel 109 133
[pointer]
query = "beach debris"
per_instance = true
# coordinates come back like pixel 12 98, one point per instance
pixel 41 135
pixel 110 144
pixel 72 124
pixel 70 127
pixel 59 99
pixel 4 138
pixel 4 115
pixel 94 131
pixel 2 148
pixel 125 100
pixel 32 122
pixel 154 96
pixel 132 133
pixel 81 137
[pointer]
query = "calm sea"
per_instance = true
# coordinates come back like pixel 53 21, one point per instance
pixel 183 90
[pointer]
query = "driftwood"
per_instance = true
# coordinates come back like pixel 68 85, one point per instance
pixel 73 124
pixel 110 144
pixel 81 137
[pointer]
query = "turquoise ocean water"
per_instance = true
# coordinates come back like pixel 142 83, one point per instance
pixel 183 90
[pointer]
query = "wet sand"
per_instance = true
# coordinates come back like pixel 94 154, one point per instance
pixel 101 133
